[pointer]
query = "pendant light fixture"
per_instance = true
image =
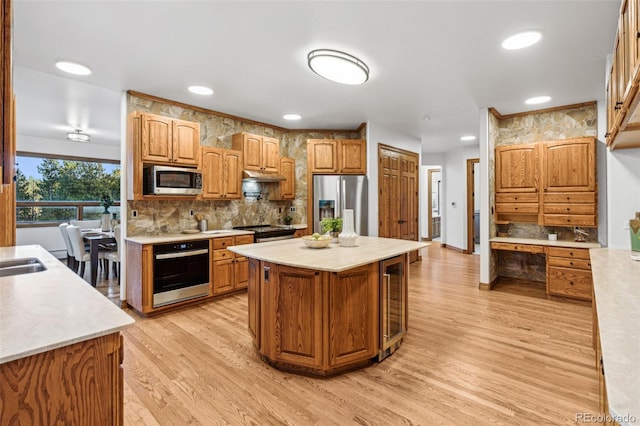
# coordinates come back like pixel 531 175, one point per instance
pixel 78 136
pixel 338 66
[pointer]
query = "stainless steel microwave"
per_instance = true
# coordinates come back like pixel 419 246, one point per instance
pixel 166 180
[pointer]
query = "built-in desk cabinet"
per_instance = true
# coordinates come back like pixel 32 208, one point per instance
pixel 568 269
pixel 516 182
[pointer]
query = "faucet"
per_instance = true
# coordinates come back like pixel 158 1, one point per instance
pixel 579 234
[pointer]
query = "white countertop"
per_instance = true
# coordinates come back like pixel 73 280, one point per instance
pixel 50 309
pixel 334 258
pixel 541 242
pixel 170 238
pixel 616 284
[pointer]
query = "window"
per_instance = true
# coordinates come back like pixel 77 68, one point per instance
pixel 55 190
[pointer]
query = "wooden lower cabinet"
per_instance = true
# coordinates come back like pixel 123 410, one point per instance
pixel 229 271
pixel 569 273
pixel 314 322
pixel 79 384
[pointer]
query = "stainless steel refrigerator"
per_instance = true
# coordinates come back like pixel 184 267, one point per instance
pixel 332 194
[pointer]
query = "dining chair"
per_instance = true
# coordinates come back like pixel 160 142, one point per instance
pixel 114 256
pixel 71 260
pixel 79 252
pixel 86 224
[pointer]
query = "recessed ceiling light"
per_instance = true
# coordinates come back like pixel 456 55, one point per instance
pixel 426 118
pixel 521 40
pixel 200 90
pixel 73 68
pixel 537 100
pixel 468 138
pixel 338 66
pixel 292 116
pixel 78 136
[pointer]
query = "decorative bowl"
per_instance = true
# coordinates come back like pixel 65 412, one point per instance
pixel 321 242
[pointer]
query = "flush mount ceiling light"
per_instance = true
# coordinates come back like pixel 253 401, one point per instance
pixel 200 90
pixel 292 116
pixel 537 100
pixel 338 66
pixel 73 68
pixel 468 138
pixel 78 136
pixel 521 40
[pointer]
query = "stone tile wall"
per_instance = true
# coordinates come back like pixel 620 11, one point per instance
pixel 158 217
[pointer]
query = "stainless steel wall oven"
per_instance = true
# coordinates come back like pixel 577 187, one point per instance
pixel 180 271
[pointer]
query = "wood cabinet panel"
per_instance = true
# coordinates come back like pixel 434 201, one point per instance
pixel 223 276
pixel 352 157
pixel 570 198
pixel 286 190
pixel 297 315
pixel 222 242
pixel 259 153
pixel 322 155
pixel 570 209
pixel 221 174
pixel 569 263
pixel 243 239
pixel 573 220
pixel 517 197
pixel 241 273
pixel 253 300
pixel 353 315
pixel 156 139
pixel 222 254
pixel 516 207
pixel 186 142
pixel 569 165
pixel 573 253
pixel 569 282
pixel 527 248
pixel 517 168
pixel 81 384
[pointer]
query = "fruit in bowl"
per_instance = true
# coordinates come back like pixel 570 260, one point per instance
pixel 317 240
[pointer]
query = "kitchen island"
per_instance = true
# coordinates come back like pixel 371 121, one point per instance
pixel 60 346
pixel 325 311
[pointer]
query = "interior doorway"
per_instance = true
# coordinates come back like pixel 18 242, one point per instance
pixel 434 204
pixel 473 206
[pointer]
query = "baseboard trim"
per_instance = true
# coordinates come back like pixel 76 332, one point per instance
pixel 459 250
pixel 487 286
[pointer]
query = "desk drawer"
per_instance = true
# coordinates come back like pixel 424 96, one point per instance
pixel 569 263
pixel 529 197
pixel 574 253
pixel 516 207
pixel 569 220
pixel 570 197
pixel 570 208
pixel 528 248
pixel 569 282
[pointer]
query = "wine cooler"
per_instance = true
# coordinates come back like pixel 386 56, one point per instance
pixel 393 304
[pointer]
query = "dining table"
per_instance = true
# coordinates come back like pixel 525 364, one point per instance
pixel 95 238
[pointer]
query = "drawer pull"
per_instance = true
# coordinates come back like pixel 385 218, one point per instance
pixel 571 282
pixel 571 263
pixel 570 253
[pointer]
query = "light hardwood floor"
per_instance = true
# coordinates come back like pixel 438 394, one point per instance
pixel 471 357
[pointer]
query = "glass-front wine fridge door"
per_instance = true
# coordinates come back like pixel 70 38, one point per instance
pixel 393 299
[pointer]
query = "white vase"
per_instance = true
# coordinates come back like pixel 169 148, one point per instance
pixel 106 221
pixel 348 236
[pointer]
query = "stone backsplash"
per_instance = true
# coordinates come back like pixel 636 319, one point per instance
pixel 532 230
pixel 157 217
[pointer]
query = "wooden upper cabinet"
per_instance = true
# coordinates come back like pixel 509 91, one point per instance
pixel 286 190
pixel 353 156
pixel 322 155
pixel 259 153
pixel 221 173
pixel 337 156
pixel 569 165
pixel 517 168
pixel 186 142
pixel 167 140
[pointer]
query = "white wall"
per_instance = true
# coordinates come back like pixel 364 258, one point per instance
pixel 454 202
pixel 378 134
pixel 623 194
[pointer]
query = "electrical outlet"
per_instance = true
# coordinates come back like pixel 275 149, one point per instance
pixel 134 213
pixel 191 213
pixel 292 209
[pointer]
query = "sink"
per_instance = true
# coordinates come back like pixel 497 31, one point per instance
pixel 21 266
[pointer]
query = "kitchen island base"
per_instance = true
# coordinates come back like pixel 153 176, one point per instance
pixel 322 323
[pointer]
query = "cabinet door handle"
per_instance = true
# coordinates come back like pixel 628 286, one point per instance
pixel 402 221
pixel 267 269
pixel 388 278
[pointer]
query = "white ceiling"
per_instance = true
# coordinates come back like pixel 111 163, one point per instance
pixel 436 58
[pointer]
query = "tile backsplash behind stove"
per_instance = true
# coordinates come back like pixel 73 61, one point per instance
pixel 166 216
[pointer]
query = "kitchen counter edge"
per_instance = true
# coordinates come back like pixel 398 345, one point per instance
pixel 171 238
pixel 50 309
pixel 541 242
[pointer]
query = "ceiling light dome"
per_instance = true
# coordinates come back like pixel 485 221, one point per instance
pixel 292 116
pixel 521 40
pixel 78 136
pixel 201 90
pixel 537 100
pixel 73 68
pixel 338 66
pixel 468 138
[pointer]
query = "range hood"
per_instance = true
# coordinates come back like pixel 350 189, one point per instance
pixel 254 176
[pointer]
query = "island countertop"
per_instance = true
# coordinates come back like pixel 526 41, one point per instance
pixel 334 258
pixel 616 286
pixel 50 309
